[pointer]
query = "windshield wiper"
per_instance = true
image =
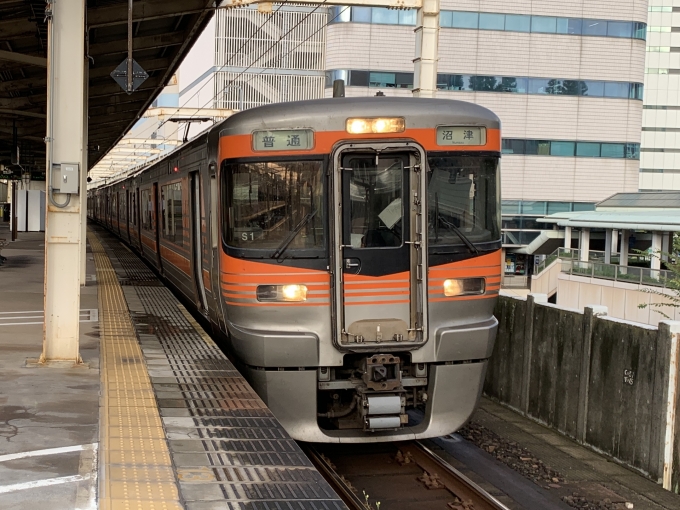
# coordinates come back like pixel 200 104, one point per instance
pixel 451 227
pixel 293 233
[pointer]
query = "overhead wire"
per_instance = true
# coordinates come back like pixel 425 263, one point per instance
pixel 256 60
pixel 252 36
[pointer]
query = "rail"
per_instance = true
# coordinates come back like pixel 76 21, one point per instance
pixel 437 472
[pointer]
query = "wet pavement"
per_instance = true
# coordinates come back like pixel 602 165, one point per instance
pixel 48 415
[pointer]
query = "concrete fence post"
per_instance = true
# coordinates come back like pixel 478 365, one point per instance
pixel 665 401
pixel 532 299
pixel 589 314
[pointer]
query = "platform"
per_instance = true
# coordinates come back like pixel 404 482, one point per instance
pixel 173 422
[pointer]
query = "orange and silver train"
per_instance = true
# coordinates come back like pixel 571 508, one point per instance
pixel 346 250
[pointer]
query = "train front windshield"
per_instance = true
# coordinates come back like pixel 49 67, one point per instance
pixel 463 200
pixel 276 206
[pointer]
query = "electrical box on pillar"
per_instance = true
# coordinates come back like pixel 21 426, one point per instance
pixel 66 178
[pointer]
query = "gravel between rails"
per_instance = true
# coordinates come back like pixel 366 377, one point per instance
pixel 524 462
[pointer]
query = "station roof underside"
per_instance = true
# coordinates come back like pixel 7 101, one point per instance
pixel 163 33
pixel 667 220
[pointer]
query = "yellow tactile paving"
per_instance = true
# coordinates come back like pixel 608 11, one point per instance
pixel 135 460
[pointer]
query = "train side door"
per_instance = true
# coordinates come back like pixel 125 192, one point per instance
pixel 196 241
pixel 156 224
pixel 379 264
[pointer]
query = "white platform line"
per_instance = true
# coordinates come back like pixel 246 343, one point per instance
pixel 47 451
pixel 86 495
pixel 41 483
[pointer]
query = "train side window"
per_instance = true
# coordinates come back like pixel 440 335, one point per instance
pixel 213 210
pixel 171 214
pixel 147 213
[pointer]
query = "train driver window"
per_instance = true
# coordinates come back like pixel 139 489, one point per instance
pixel 277 206
pixel 463 200
pixel 375 190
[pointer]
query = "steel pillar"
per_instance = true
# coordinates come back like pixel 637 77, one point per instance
pixel 65 143
pixel 427 49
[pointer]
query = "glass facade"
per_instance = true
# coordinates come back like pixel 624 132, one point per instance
pixel 568 148
pixel 475 83
pixel 496 21
pixel 520 217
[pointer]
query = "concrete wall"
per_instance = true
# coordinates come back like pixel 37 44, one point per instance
pixel 546 282
pixel 599 380
pixel 621 299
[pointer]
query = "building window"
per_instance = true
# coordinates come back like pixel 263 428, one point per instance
pixel 508 84
pixel 496 21
pixel 171 213
pixel 542 24
pixel 568 148
pixel 489 21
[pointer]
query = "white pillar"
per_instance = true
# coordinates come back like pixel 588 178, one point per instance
pixel 65 130
pixel 625 236
pixel 656 248
pixel 615 241
pixel 427 49
pixel 665 246
pixel 584 245
pixel 83 177
pixel 567 238
pixel 608 246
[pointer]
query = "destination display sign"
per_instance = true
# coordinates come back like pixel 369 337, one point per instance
pixel 283 140
pixel 461 135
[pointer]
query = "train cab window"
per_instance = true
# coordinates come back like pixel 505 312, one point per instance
pixel 275 206
pixel 171 213
pixel 376 210
pixel 463 200
pixel 147 211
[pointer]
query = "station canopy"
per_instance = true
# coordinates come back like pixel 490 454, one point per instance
pixel 650 211
pixel 163 32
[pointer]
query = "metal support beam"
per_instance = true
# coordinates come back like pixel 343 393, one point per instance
pixel 12 56
pixel 66 142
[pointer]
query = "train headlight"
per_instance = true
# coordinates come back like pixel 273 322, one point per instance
pixel 464 287
pixel 290 293
pixel 358 126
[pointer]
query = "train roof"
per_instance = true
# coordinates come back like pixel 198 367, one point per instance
pixel 317 114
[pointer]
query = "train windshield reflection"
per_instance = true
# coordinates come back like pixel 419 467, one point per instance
pixel 268 200
pixel 462 199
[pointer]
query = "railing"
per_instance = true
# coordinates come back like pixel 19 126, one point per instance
pixel 593 256
pixel 626 274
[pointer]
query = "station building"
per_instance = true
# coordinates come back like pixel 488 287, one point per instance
pixel 660 151
pixel 565 78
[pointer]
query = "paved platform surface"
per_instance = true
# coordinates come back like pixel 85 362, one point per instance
pixel 225 448
pixel 167 423
pixel 581 467
pixel 48 416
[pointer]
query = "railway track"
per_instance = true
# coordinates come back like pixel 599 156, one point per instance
pixel 398 476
